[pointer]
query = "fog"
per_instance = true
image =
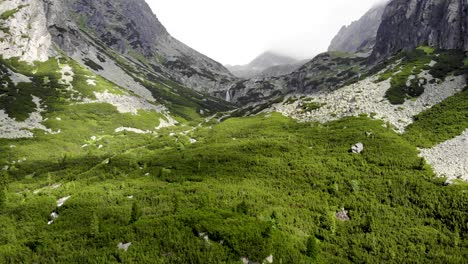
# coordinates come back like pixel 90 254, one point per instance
pixel 235 32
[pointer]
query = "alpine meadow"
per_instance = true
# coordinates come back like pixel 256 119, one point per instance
pixel 121 144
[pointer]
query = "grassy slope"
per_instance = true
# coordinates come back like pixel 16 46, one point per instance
pixel 262 185
pixel 413 63
pixel 440 123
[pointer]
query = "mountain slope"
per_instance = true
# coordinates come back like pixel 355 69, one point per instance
pixel 107 157
pixel 360 35
pixel 129 28
pixel 408 24
pixel 327 71
pixel 268 64
pixel 141 56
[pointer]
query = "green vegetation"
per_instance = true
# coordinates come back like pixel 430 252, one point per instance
pixel 440 123
pixel 311 106
pixel 93 65
pixel 330 70
pixel 448 62
pixel 9 13
pixel 427 49
pixel 17 99
pixel 180 100
pixel 413 63
pixel 250 187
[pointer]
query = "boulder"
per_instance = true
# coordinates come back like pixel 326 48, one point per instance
pixel 123 246
pixel 342 215
pixel 357 148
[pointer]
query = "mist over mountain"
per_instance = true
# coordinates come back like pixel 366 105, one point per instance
pixel 360 36
pixel 268 64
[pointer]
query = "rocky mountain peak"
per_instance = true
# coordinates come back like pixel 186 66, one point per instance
pixel 360 35
pixel 267 64
pixel 270 59
pixel 133 20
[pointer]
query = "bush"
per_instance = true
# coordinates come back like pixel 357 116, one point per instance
pixel 2 197
pixel 312 248
pixel 136 212
pixel 447 62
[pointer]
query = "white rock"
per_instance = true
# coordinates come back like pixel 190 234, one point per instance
pixel 31 20
pixel 192 141
pixel 449 159
pixel 269 259
pixel 53 217
pixel 123 246
pixel 166 123
pixel 126 103
pixel 357 148
pixel 91 82
pixel 134 130
pixel 67 75
pixel 366 97
pixel 17 78
pixel 61 201
pixel 10 128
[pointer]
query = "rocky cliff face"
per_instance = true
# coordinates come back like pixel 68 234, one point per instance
pixel 83 29
pixel 19 37
pixel 407 24
pixel 360 35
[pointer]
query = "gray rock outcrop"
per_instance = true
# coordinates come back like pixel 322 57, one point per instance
pixel 86 30
pixel 360 35
pixel 407 24
pixel 357 148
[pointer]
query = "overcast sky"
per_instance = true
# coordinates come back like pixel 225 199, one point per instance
pixel 236 31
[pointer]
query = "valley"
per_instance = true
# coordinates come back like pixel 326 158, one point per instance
pixel 120 144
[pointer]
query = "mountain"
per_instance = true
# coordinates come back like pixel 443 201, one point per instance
pixel 121 41
pixel 360 35
pixel 330 70
pixel 268 64
pixel 114 150
pixel 408 24
pixel 81 29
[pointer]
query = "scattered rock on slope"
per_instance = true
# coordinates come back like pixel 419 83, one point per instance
pixel 450 159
